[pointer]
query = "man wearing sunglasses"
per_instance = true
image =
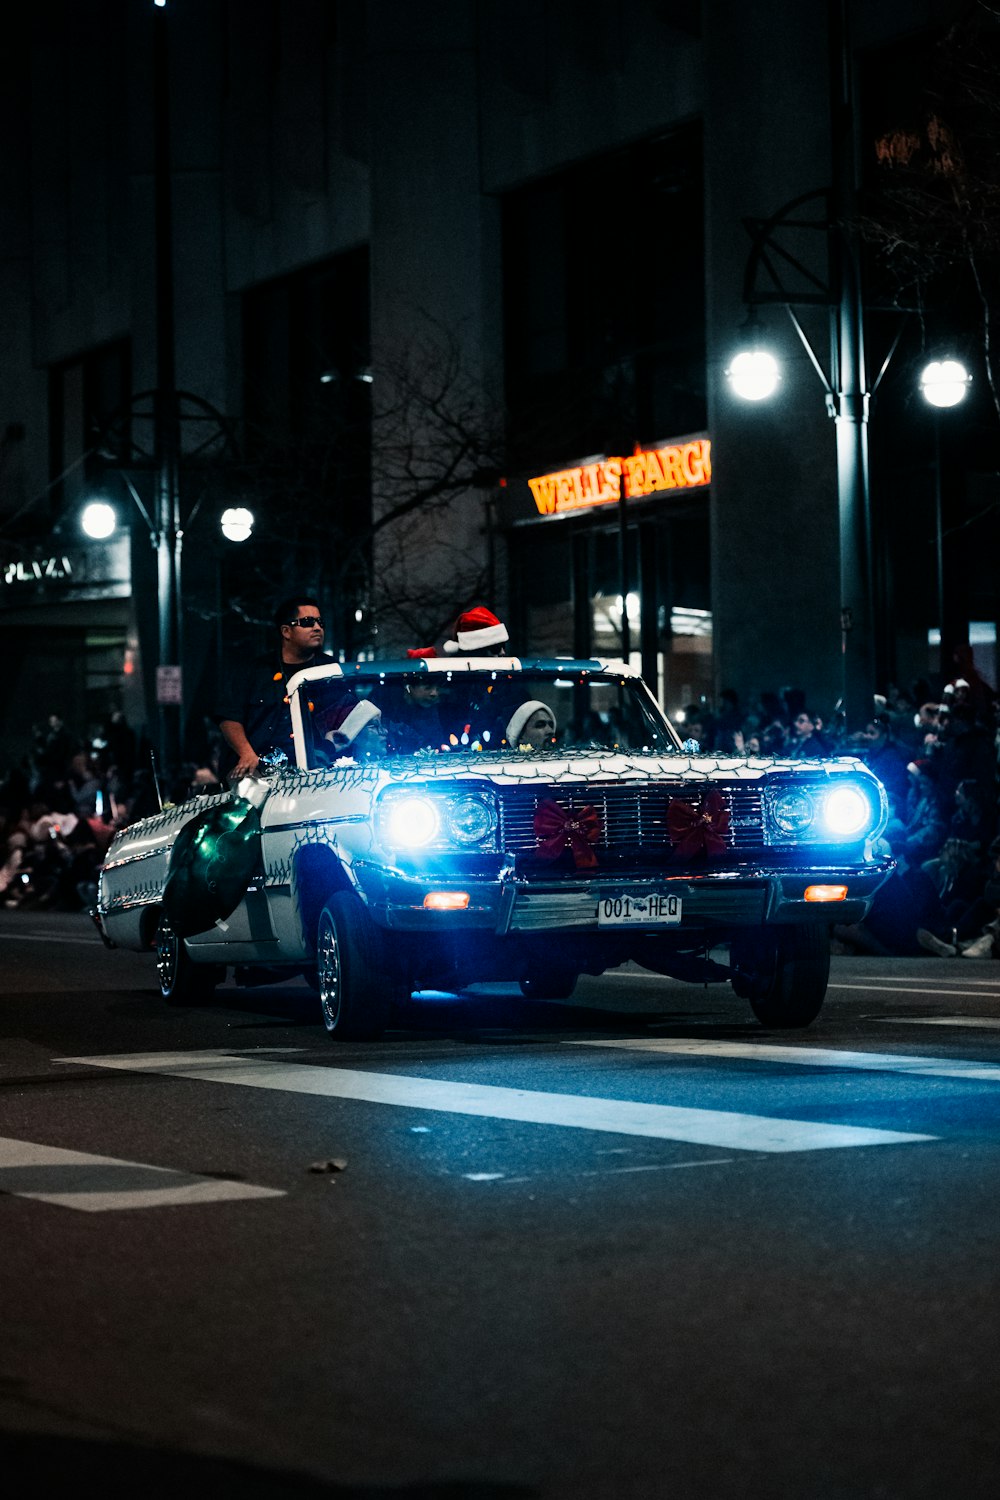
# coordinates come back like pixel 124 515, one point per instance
pixel 252 711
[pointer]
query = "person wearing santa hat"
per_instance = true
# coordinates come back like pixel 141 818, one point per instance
pixel 478 632
pixel 531 726
pixel 356 730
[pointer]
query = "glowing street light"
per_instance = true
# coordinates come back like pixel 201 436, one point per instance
pixel 754 374
pixel 98 520
pixel 944 382
pixel 237 524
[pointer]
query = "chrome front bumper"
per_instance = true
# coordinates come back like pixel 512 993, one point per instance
pixel 728 898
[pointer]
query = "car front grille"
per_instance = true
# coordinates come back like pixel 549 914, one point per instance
pixel 633 818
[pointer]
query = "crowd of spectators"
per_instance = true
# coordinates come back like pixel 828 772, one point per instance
pixel 938 756
pixel 61 806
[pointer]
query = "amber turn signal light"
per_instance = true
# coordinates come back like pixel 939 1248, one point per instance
pixel 446 900
pixel 823 893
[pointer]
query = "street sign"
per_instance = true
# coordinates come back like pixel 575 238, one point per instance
pixel 168 685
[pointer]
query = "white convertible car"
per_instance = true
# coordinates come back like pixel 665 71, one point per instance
pixel 523 821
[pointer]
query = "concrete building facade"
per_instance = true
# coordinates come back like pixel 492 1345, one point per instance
pixel 499 239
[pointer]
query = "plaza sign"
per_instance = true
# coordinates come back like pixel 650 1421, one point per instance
pixel 36 569
pixel 674 466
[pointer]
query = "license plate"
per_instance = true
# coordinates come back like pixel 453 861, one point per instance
pixel 639 909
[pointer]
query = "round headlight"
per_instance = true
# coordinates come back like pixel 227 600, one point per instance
pixel 847 812
pixel 792 811
pixel 413 822
pixel 472 820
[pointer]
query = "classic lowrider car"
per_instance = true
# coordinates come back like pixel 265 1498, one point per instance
pixel 466 849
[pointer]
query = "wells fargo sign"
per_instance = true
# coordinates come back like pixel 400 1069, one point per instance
pixel 676 466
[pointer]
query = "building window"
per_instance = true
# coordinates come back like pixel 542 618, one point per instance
pixel 308 434
pixel 604 304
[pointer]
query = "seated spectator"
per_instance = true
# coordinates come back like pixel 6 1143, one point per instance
pixel 904 905
pixel 887 760
pixel 807 742
pixel 970 926
pixel 747 742
pixel 774 738
pixel 532 726
pixel 728 722
pixel 920 832
pixel 972 821
pixel 956 870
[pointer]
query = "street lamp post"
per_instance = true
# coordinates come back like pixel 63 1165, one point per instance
pixel 944 383
pixel 167 429
pixel 753 374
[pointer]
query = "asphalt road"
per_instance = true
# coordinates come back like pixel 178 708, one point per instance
pixel 627 1246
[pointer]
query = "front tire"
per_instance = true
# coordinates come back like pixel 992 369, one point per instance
pixel 182 982
pixel 784 973
pixel 356 985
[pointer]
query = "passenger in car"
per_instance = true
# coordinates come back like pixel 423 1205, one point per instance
pixel 414 716
pixel 357 730
pixel 532 726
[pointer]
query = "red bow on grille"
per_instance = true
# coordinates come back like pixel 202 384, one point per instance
pixel 574 828
pixel 698 830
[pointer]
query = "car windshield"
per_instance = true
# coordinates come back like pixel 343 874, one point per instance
pixel 533 712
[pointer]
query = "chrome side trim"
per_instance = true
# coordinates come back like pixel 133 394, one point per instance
pixel 133 859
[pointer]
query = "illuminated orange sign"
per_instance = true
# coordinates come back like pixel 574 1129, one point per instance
pixel 676 466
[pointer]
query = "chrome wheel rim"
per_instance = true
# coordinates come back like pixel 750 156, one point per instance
pixel 328 969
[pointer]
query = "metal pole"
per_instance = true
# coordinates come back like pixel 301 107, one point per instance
pixel 623 570
pixel 851 393
pixel 939 538
pixel 167 436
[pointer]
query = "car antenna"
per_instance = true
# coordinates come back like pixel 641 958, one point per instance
pixel 156 779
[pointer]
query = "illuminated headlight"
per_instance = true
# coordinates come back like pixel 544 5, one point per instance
pixel 412 822
pixel 793 811
pixel 452 818
pixel 830 812
pixel 847 812
pixel 471 820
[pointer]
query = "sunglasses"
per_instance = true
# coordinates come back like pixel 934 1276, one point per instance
pixel 308 622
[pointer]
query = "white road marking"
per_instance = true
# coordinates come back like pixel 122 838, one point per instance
pixel 47 938
pixel 706 1127
pixel 810 1057
pixel 95 1184
pixel 914 989
pixel 979 1023
pixel 662 1166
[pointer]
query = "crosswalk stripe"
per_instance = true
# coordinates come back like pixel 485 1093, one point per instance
pixel 915 989
pixel 810 1057
pixel 707 1127
pixel 46 938
pixel 978 1023
pixel 95 1184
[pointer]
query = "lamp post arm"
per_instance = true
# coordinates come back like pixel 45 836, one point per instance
pixel 814 358
pixel 150 526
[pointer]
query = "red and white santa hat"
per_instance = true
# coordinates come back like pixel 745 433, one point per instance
pixel 348 719
pixel 474 629
pixel 520 717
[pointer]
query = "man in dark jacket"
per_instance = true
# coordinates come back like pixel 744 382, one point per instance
pixel 252 712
